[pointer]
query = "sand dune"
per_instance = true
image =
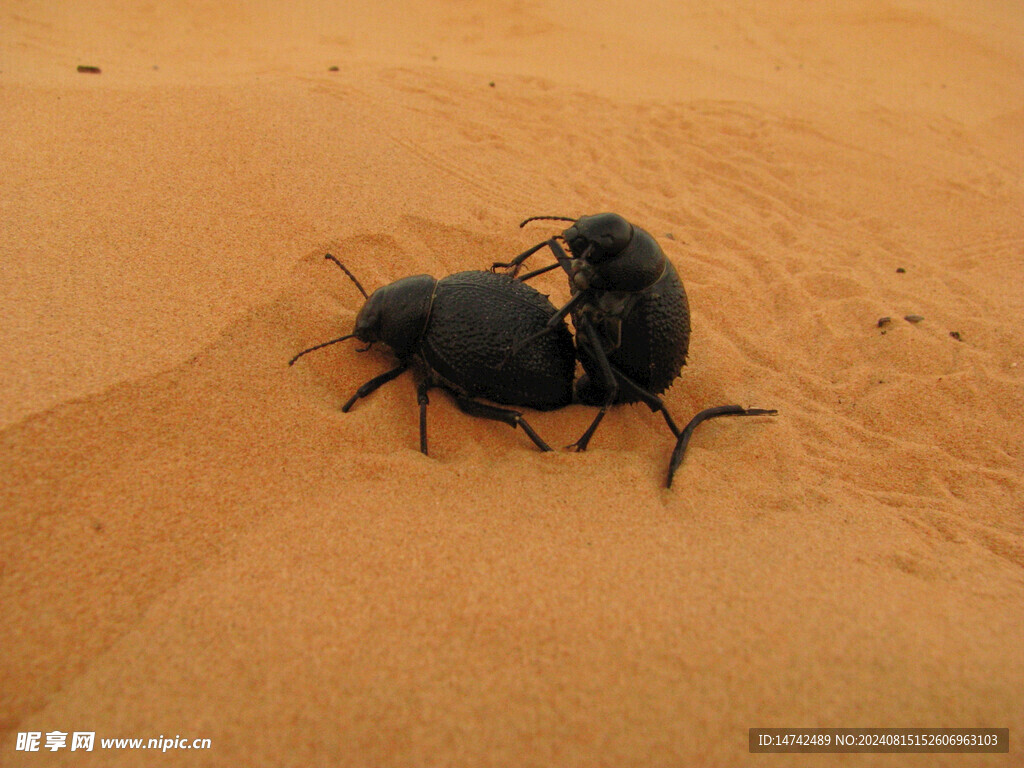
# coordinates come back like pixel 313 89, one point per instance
pixel 196 541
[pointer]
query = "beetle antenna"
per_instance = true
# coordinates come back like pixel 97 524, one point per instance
pixel 320 346
pixel 545 218
pixel 350 275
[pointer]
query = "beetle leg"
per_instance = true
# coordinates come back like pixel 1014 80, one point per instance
pixel 611 385
pixel 564 260
pixel 424 401
pixel 373 384
pixel 541 271
pixel 649 399
pixel 507 415
pixel 518 260
pixel 707 413
pixel 561 257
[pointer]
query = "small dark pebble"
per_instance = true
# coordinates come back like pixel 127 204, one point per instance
pixel 901 270
pixel 913 318
pixel 884 321
pixel 88 70
pixel 670 236
pixel 955 335
pixel 332 69
pixel 491 83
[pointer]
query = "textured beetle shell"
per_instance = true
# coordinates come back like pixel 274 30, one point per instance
pixel 655 336
pixel 475 319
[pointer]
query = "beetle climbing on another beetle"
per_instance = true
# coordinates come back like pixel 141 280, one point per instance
pixel 455 332
pixel 631 315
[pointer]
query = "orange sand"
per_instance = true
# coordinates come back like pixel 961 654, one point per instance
pixel 194 541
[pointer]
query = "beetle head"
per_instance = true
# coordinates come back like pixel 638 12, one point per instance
pixel 598 238
pixel 396 314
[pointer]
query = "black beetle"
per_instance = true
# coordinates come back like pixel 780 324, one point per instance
pixel 456 331
pixel 631 315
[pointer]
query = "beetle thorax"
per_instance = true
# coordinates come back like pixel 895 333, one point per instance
pixel 610 254
pixel 397 314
